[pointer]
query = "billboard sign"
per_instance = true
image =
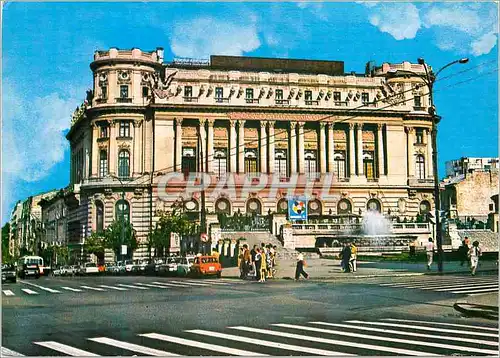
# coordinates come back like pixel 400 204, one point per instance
pixel 297 208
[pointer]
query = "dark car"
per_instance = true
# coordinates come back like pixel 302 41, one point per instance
pixel 9 273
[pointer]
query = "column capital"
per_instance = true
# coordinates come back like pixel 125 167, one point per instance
pixel 359 125
pixel 232 123
pixel 380 126
pixel 202 121
pixel 409 129
pixel 351 126
pixel 330 125
pixel 210 122
pixel 241 122
pixel 300 124
pixel 137 123
pixel 271 124
pixel 293 125
pixel 322 125
pixel 263 124
pixel 178 121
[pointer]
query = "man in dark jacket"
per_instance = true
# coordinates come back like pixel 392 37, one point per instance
pixel 346 257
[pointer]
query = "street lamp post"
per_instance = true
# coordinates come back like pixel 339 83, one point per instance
pixel 203 214
pixel 429 80
pixel 122 234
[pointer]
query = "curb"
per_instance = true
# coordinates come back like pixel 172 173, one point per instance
pixel 460 272
pixel 474 310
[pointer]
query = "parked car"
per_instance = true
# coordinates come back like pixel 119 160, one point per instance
pixel 57 271
pixel 9 273
pixel 111 268
pixel 72 270
pixel 120 268
pixel 129 266
pixel 170 266
pixel 89 268
pixel 206 265
pixel 184 265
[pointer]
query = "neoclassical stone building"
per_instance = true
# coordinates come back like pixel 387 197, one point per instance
pixel 365 137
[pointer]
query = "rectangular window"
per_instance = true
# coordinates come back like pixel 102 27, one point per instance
pixel 103 164
pixel 104 131
pixel 281 163
pixel 250 161
pixel 145 91
pixel 339 165
pixel 417 101
pixel 365 97
pixel 249 93
pixel 308 95
pixel 124 91
pixel 188 160
pixel 419 136
pixel 279 94
pixel 220 162
pixel 124 129
pixel 104 92
pixel 219 92
pixel 310 164
pixel 336 96
pixel 188 91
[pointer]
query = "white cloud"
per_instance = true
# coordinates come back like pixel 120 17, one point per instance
pixel 401 20
pixel 207 36
pixel 484 44
pixel 33 129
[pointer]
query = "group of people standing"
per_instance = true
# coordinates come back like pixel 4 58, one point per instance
pixel 260 260
pixel 348 256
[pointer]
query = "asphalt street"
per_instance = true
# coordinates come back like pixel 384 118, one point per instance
pixel 142 315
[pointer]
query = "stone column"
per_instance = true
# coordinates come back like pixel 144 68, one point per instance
pixel 322 147
pixel 203 140
pixel 430 169
pixel 380 150
pixel 301 147
pixel 95 151
pixel 293 148
pixel 263 147
pixel 331 148
pixel 178 144
pixel 359 138
pixel 136 157
pixel 112 148
pixel 272 140
pixel 241 146
pixel 210 145
pixel 410 152
pixel 233 146
pixel 352 151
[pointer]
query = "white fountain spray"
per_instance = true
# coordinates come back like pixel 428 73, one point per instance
pixel 375 224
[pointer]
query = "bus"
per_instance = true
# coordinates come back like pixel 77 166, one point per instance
pixel 30 266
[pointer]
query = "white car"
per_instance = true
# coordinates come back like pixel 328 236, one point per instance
pixel 184 265
pixel 129 265
pixel 57 272
pixel 89 268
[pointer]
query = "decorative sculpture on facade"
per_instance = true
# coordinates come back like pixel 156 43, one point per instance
pixel 161 88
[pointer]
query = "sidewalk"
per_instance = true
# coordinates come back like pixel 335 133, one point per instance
pixel 328 269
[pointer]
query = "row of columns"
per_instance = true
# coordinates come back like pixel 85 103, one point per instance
pixel 297 147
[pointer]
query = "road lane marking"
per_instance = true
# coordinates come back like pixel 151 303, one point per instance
pixel 495 289
pixel 494 329
pixel 212 347
pixel 386 339
pixel 403 333
pixel 425 328
pixel 448 280
pixel 208 282
pixel 63 348
pixel 29 292
pixel 434 285
pixel 71 289
pixel 93 288
pixel 190 283
pixel 6 352
pixel 132 347
pixel 150 285
pixel 41 287
pixel 132 286
pixel 113 288
pixel 470 287
pixel 169 284
pixel 335 341
pixel 465 284
pixel 289 347
pixel 8 293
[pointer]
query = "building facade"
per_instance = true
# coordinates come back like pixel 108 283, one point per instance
pixel 273 123
pixel 466 165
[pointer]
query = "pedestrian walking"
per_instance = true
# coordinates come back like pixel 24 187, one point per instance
pixel 253 253
pixel 463 253
pixel 258 260
pixel 269 258
pixel 346 257
pixel 474 254
pixel 353 259
pixel 247 261
pixel 299 270
pixel 263 265
pixel 429 248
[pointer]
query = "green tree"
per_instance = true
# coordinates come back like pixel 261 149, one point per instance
pixel 95 244
pixel 113 237
pixel 5 243
pixel 171 222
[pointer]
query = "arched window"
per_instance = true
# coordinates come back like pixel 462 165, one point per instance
pixel 122 210
pixel 368 165
pixel 220 162
pixel 280 163
pixel 339 165
pixel 222 206
pixel 103 163
pixel 99 216
pixel 254 207
pixel 425 207
pixel 191 205
pixel 314 207
pixel 310 159
pixel 251 161
pixel 124 164
pixel 420 167
pixel 282 206
pixel 373 205
pixel 344 207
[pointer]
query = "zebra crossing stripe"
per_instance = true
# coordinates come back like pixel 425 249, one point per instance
pixel 6 352
pixel 212 347
pixel 436 284
pixel 132 347
pixel 29 292
pixel 425 328
pixel 191 283
pixel 439 281
pixel 8 293
pixel 169 284
pixel 113 288
pixel 474 287
pixel 403 333
pixel 386 339
pixel 335 341
pixel 494 329
pixel 41 287
pixel 211 282
pixel 71 289
pixel 461 284
pixel 93 288
pixel 289 347
pixel 132 286
pixel 494 289
pixel 150 285
pixel 63 348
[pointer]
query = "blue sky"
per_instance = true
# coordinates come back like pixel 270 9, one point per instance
pixel 47 49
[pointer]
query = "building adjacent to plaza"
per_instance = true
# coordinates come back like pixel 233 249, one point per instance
pixel 145 119
pixel 466 165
